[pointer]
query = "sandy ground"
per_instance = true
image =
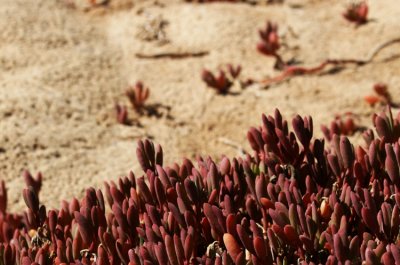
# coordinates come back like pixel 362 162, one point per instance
pixel 63 69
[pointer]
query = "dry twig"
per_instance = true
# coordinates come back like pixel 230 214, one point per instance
pixel 291 71
pixel 171 55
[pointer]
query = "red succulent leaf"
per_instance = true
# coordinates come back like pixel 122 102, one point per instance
pixel 260 247
pixel 370 219
pixel 347 152
pixel 102 256
pixel 231 245
pixel 3 197
pixel 122 251
pixel 245 238
pixel 234 71
pixel 372 99
pixel 121 114
pixel 161 253
pixel 35 183
pixel 85 228
pixel 169 245
pixel 180 254
pixel 391 165
pixel 189 246
pixel 26 261
pixel 339 248
pixel 31 199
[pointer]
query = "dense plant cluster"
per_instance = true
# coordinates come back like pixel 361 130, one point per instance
pixel 295 200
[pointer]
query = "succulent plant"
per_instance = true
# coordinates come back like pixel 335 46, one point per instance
pixel 269 43
pixel 224 80
pixel 295 200
pixel 220 83
pixel 137 95
pixel 357 13
pixel 121 114
pixel 341 125
pixel 381 95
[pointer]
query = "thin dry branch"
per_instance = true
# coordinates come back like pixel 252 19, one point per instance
pixel 171 55
pixel 292 71
pixel 380 47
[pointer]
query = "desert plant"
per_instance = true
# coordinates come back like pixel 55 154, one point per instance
pixel 341 125
pixel 224 80
pixel 387 127
pixel 269 43
pixel 234 71
pixel 35 183
pixel 137 95
pixel 357 13
pixel 381 95
pixel 294 200
pixel 121 114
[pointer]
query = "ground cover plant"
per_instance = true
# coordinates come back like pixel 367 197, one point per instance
pixel 293 200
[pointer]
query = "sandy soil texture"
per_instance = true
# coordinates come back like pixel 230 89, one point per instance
pixel 62 70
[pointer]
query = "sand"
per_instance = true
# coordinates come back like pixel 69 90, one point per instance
pixel 62 69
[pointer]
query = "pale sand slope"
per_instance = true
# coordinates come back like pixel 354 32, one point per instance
pixel 62 70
